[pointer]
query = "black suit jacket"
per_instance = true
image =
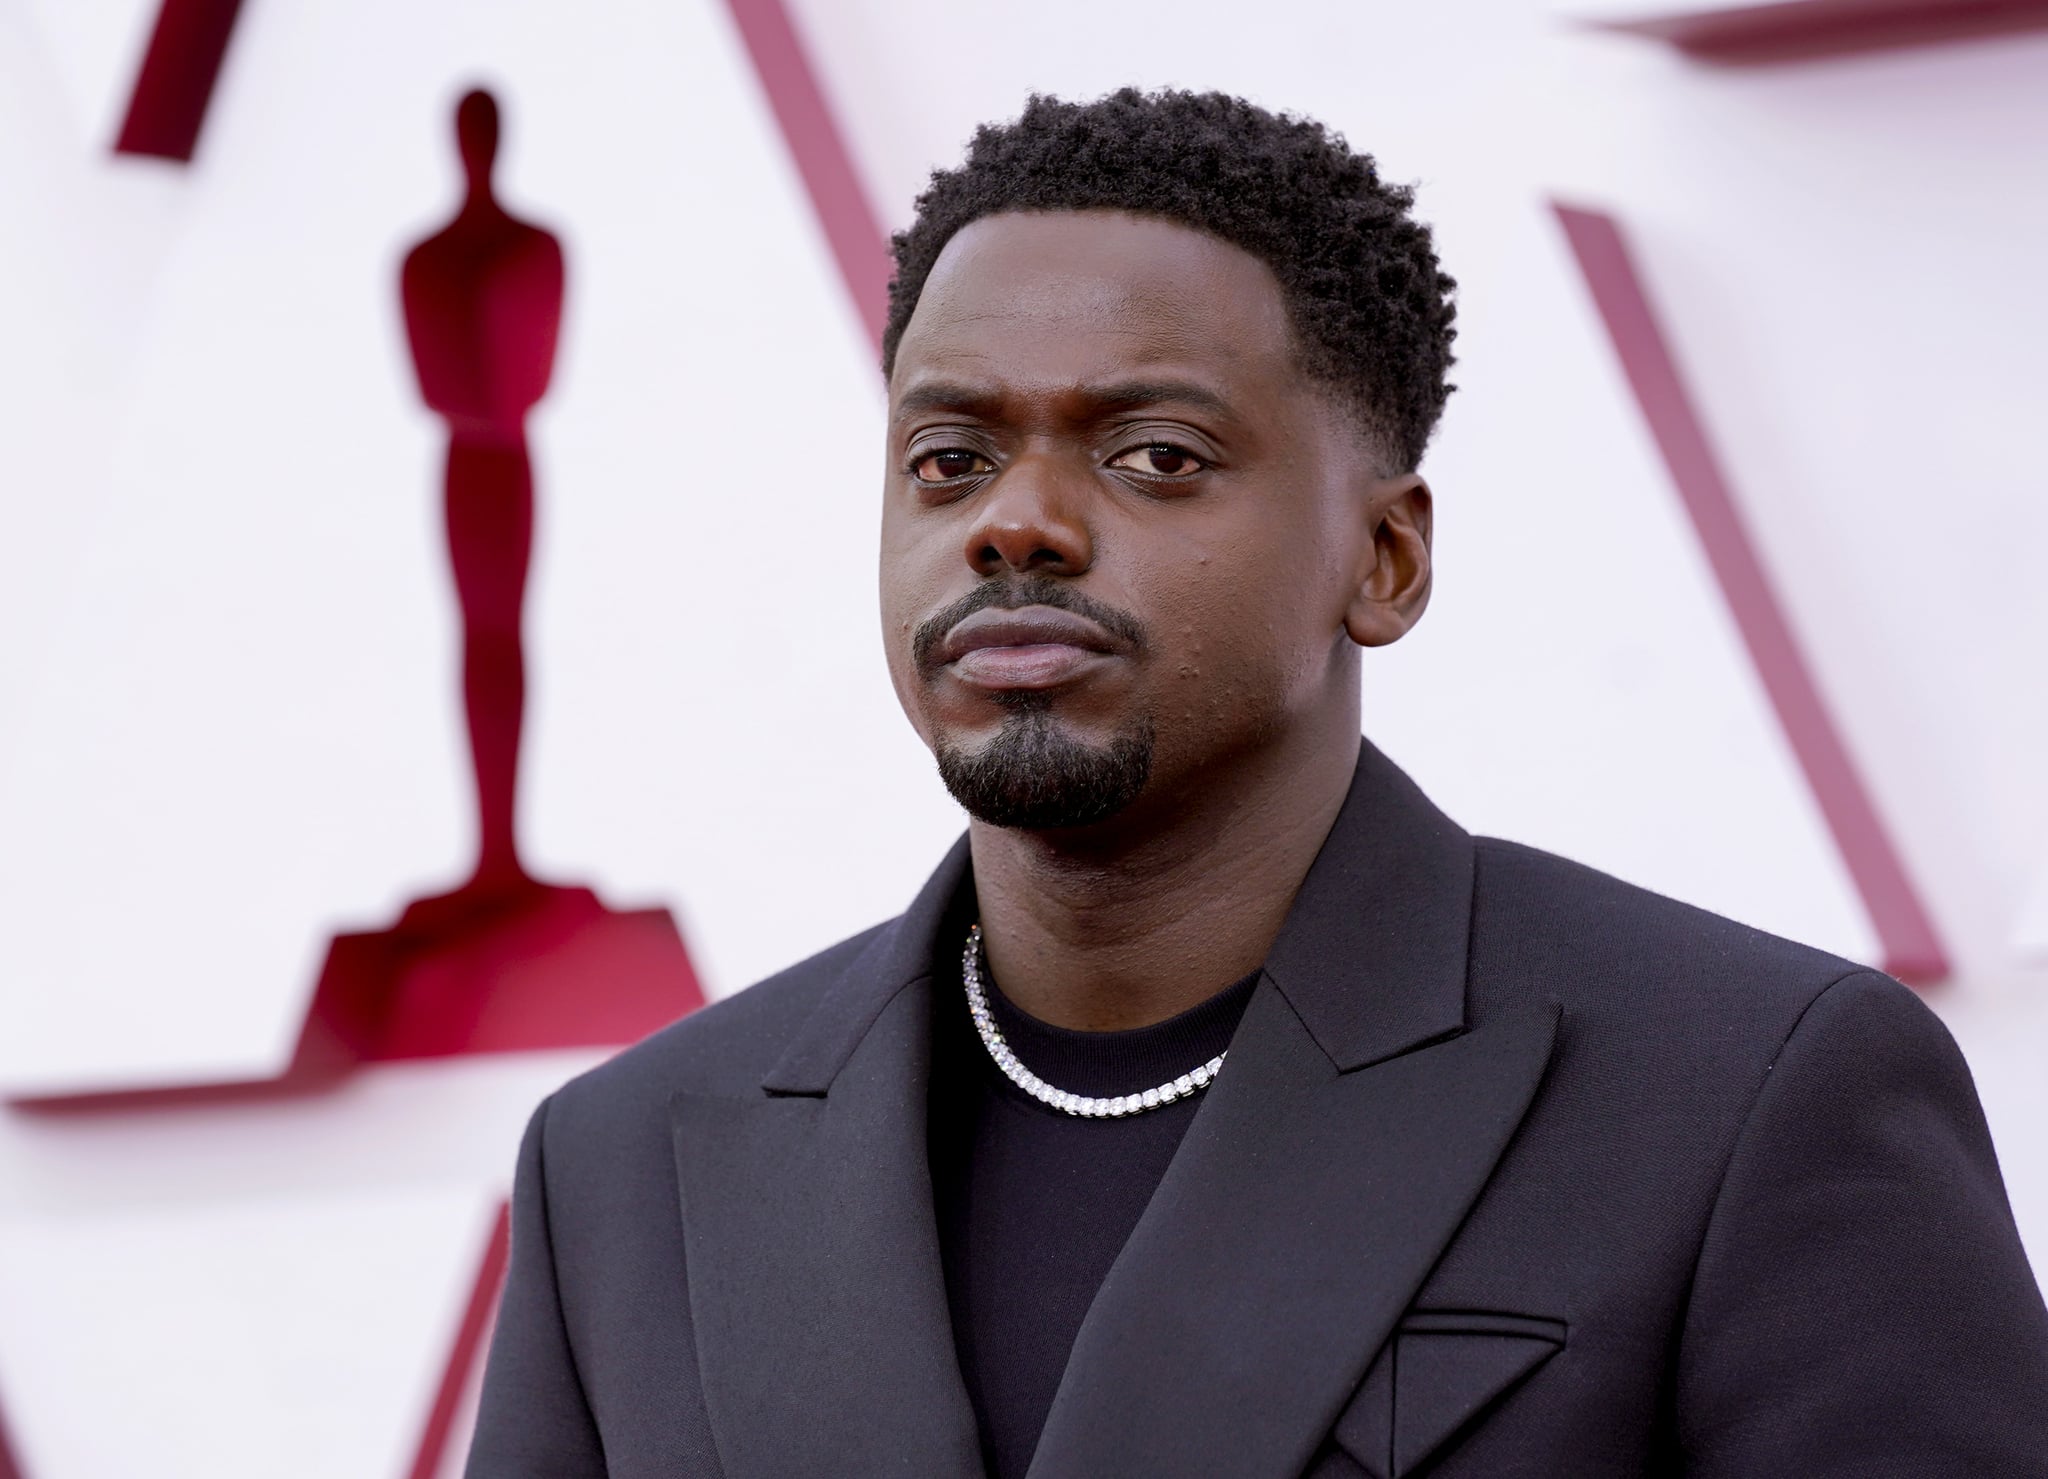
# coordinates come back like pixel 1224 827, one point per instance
pixel 1514 1170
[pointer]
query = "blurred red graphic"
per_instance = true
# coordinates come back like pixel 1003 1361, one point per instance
pixel 1804 30
pixel 477 1318
pixel 1913 950
pixel 175 82
pixel 817 145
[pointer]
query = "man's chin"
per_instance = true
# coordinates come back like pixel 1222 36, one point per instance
pixel 1036 775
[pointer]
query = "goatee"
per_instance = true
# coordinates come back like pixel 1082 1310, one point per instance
pixel 1036 777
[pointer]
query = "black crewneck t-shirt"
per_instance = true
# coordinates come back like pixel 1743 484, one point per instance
pixel 1034 1205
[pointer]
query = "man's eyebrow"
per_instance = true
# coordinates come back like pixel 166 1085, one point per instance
pixel 1119 395
pixel 946 395
pixel 1129 395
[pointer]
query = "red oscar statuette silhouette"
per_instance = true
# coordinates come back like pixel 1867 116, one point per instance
pixel 504 962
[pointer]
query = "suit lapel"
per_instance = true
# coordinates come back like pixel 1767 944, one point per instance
pixel 1356 1121
pixel 816 1287
pixel 1304 1210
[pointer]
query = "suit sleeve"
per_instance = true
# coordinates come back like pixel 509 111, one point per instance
pixel 1862 1305
pixel 534 1422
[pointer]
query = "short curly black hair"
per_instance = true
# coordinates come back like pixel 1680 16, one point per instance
pixel 1371 309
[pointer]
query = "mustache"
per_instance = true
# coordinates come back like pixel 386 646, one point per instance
pixel 1013 594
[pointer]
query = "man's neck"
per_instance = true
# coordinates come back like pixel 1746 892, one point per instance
pixel 1122 930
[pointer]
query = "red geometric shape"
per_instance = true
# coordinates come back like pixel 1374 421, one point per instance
pixel 1912 949
pixel 466 1349
pixel 859 244
pixel 1802 30
pixel 551 967
pixel 175 82
pixel 9 1469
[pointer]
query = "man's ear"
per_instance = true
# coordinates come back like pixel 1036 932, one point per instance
pixel 1391 587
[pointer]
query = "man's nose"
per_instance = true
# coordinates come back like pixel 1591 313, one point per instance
pixel 1033 518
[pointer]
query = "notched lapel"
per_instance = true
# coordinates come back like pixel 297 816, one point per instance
pixel 1303 1211
pixel 1441 1371
pixel 816 1286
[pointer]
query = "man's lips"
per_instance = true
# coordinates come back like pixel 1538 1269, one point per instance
pixel 1031 647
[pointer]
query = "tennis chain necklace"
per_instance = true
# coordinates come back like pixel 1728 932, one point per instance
pixel 1114 1107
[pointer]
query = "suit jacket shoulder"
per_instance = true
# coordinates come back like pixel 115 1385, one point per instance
pixel 1673 1019
pixel 723 1048
pixel 1611 951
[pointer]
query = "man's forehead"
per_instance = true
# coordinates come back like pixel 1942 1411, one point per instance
pixel 1079 297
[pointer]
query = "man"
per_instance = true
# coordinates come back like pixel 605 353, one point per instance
pixel 1220 1107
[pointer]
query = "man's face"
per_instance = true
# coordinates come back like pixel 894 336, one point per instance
pixel 1121 532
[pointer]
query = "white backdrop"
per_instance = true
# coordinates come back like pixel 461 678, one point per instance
pixel 228 723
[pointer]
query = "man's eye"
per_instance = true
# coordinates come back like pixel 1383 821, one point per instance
pixel 953 462
pixel 1160 459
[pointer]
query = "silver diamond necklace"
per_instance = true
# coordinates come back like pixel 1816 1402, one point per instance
pixel 1114 1107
